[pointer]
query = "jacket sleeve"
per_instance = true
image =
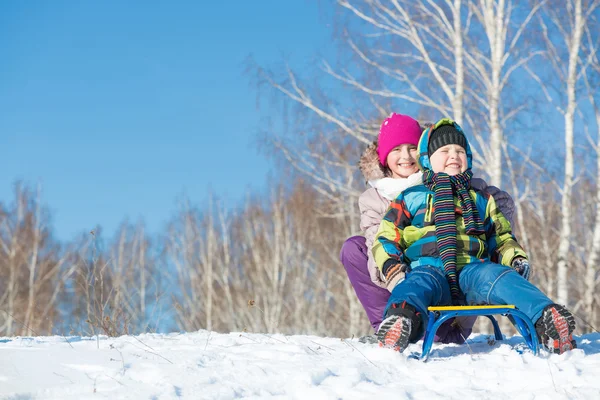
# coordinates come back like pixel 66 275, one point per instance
pixel 503 200
pixel 388 245
pixel 371 214
pixel 503 246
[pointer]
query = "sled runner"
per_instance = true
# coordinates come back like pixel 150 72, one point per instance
pixel 438 315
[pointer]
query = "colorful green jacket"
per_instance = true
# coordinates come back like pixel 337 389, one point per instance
pixel 407 232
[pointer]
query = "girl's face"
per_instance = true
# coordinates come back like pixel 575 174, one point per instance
pixel 402 161
pixel 451 159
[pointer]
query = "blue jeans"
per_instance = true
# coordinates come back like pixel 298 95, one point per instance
pixel 481 282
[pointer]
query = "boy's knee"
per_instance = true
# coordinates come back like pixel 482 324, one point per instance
pixel 351 246
pixel 424 286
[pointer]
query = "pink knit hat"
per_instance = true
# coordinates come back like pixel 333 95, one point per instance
pixel 395 130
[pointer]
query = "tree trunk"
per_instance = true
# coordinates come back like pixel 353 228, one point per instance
pixel 594 253
pixel 565 232
pixel 459 90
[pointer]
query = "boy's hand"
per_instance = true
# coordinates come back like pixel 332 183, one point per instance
pixel 521 265
pixel 394 275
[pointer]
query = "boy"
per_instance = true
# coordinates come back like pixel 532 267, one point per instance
pixel 458 247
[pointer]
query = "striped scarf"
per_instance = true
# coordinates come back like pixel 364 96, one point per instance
pixel 445 187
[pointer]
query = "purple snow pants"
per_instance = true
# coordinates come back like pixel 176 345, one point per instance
pixel 374 298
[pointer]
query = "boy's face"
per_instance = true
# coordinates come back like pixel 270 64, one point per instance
pixel 451 159
pixel 402 161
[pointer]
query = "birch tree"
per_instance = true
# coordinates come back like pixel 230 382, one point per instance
pixel 428 56
pixel 435 41
pixel 202 247
pixel 570 22
pixel 493 66
pixel 593 253
pixel 32 276
pixel 574 44
pixel 186 249
pixel 136 290
pixel 323 156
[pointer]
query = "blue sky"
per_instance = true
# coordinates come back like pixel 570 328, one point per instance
pixel 118 108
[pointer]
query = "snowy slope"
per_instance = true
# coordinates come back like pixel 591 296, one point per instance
pixel 208 365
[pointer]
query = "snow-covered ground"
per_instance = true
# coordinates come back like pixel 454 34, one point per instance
pixel 208 365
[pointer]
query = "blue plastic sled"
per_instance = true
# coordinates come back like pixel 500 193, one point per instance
pixel 438 315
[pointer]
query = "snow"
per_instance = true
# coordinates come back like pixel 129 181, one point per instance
pixel 209 365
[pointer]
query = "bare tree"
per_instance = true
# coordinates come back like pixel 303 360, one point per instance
pixel 136 279
pixel 183 251
pixel 31 266
pixel 201 247
pixel 116 290
pixel 407 22
pixel 491 67
pixel 570 22
pixel 467 51
pixel 593 253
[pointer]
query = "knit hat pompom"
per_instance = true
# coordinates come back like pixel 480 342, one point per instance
pixel 397 129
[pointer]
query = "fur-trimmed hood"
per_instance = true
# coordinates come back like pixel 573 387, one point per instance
pixel 369 164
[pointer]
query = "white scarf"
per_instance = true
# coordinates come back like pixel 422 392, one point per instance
pixel 390 188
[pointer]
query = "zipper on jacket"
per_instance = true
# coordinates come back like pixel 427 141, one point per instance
pixel 428 211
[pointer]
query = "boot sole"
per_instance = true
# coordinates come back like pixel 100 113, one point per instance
pixel 559 325
pixel 394 333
